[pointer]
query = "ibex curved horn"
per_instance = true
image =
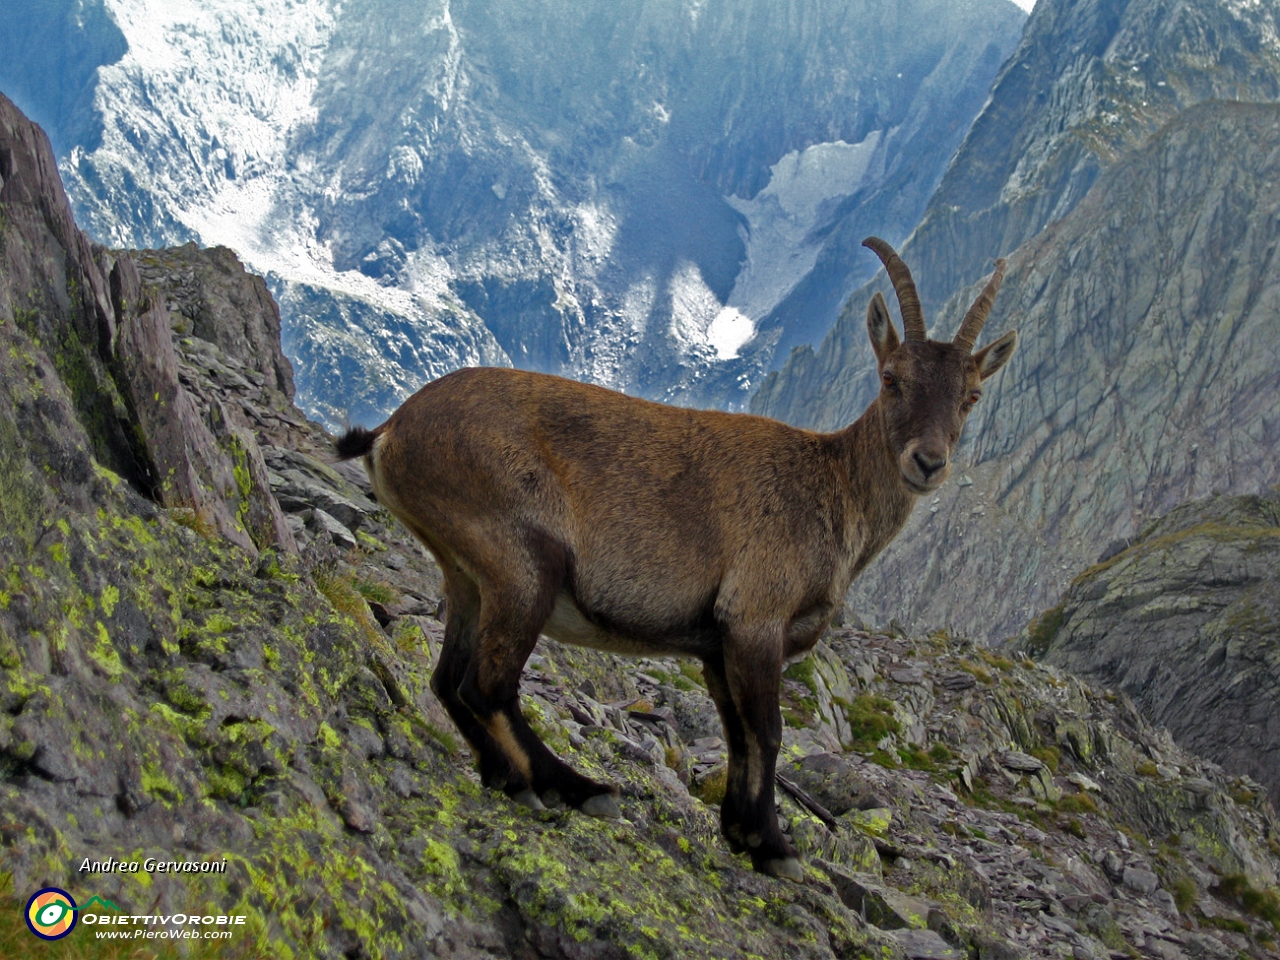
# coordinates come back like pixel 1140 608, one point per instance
pixel 903 286
pixel 971 326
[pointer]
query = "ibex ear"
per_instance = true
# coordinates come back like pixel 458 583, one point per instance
pixel 884 338
pixel 995 355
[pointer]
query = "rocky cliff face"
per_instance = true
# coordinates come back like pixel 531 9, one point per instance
pixel 1089 83
pixel 1167 259
pixel 1185 620
pixel 214 646
pixel 659 197
pixel 1145 374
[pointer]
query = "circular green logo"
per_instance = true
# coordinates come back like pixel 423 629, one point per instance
pixel 51 913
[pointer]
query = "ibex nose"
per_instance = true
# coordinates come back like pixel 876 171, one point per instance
pixel 929 464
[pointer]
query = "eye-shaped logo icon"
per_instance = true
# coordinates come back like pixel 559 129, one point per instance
pixel 51 913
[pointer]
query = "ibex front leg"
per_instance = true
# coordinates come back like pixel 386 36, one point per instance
pixel 745 684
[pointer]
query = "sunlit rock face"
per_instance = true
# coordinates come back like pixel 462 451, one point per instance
pixel 659 197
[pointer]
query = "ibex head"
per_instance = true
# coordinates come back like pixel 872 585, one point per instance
pixel 928 387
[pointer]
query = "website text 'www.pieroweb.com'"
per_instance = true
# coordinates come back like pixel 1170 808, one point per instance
pixel 177 926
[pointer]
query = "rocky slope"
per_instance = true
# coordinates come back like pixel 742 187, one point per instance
pixel 214 645
pixel 1184 619
pixel 597 190
pixel 1146 373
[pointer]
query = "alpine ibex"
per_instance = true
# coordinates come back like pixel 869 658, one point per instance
pixel 610 522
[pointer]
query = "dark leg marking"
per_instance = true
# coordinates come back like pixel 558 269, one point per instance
pixel 456 657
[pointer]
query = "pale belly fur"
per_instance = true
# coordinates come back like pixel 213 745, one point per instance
pixel 568 625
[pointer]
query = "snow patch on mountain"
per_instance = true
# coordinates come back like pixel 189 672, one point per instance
pixel 445 186
pixel 785 218
pixel 200 115
pixel 729 332
pixel 206 100
pixel 694 310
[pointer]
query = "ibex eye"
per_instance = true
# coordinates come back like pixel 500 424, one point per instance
pixel 974 398
pixel 888 378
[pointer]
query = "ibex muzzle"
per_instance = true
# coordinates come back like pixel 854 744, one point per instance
pixel 624 525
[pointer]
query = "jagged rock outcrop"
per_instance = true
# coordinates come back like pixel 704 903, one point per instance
pixel 169 690
pixel 1089 83
pixel 1146 373
pixel 599 190
pixel 1185 619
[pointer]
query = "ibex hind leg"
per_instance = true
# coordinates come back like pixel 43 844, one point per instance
pixel 462 621
pixel 510 621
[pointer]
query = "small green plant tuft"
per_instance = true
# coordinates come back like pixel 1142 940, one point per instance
pixel 995 660
pixel 447 741
pixel 885 759
pixel 914 758
pixel 1183 889
pixel 1225 923
pixel 376 591
pixel 712 789
pixel 693 674
pixel 870 719
pixel 1263 904
pixel 341 590
pixel 1043 630
pixel 1077 803
pixel 194 518
pixel 1242 794
pixel 803 671
pixel 1049 755
pixel 979 673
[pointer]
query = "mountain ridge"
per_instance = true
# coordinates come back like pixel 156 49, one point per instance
pixel 1174 385
pixel 1183 619
pixel 576 189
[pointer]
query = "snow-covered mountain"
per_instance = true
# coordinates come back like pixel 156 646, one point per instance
pixel 660 195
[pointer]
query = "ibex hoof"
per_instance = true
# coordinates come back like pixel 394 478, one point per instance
pixel 784 868
pixel 602 805
pixel 527 798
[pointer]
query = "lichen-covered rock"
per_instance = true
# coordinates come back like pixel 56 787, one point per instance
pixel 222 304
